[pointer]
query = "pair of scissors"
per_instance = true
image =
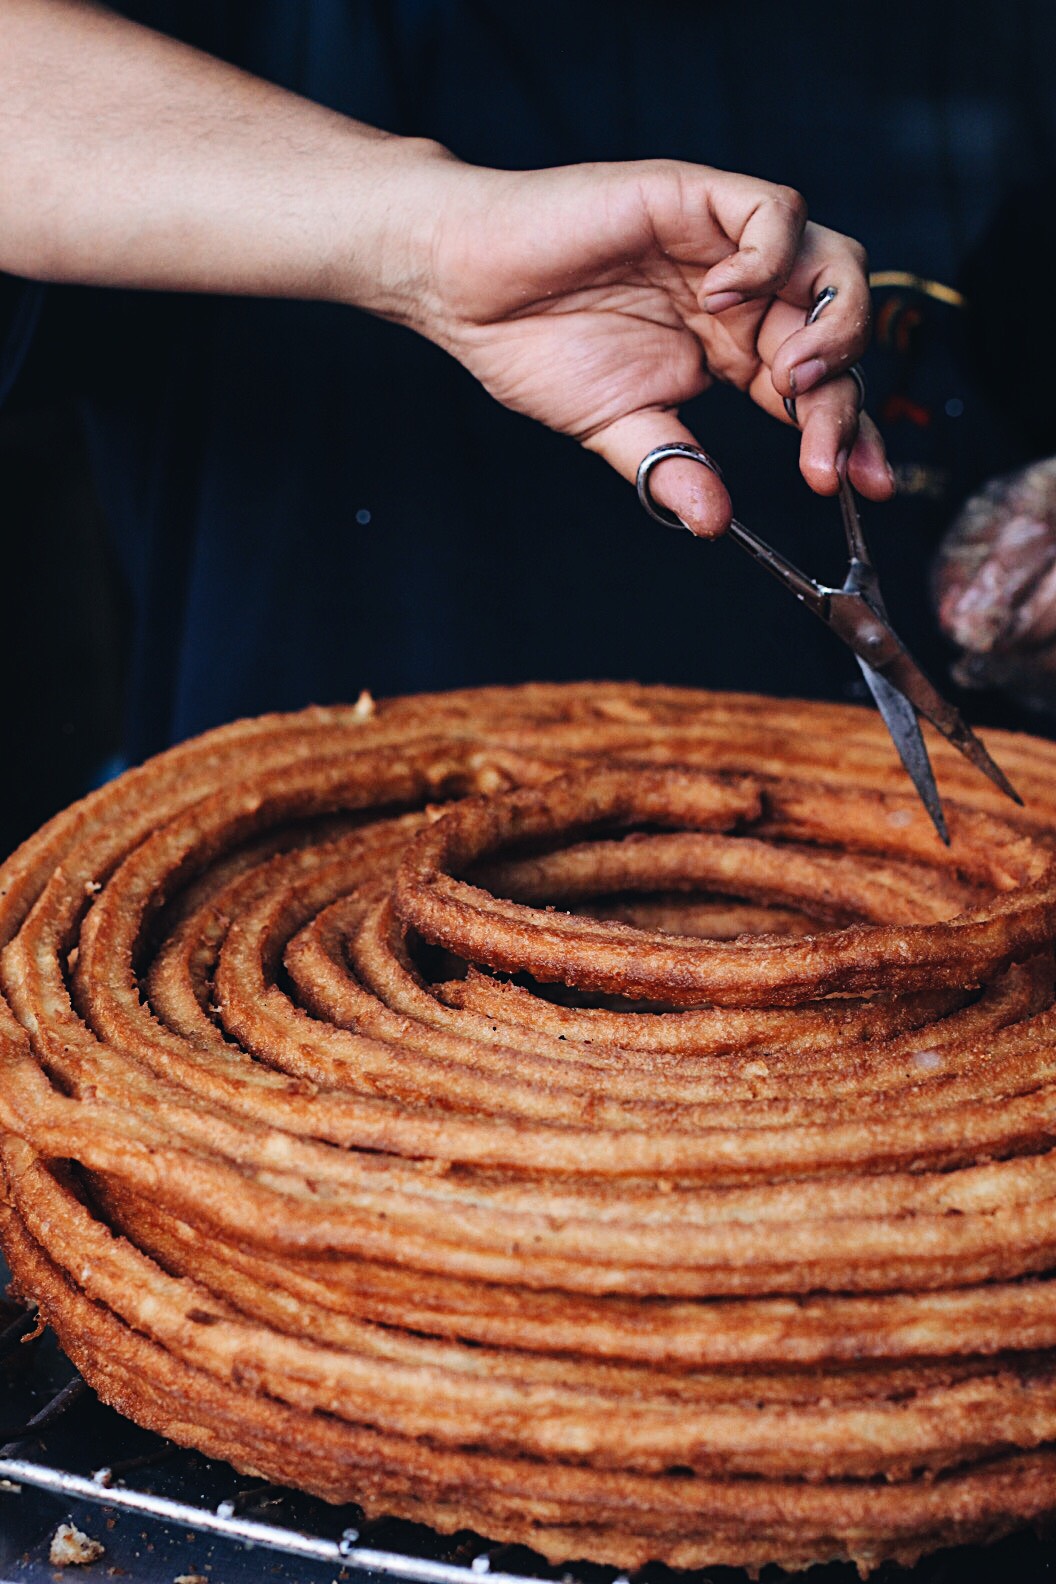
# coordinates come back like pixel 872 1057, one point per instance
pixel 856 613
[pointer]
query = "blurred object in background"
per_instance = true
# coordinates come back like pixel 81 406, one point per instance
pixel 995 586
pixel 995 575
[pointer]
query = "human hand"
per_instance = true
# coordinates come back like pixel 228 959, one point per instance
pixel 596 298
pixel 599 298
pixel 995 586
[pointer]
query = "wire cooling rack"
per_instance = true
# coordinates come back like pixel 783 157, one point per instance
pixel 63 1454
pixel 165 1514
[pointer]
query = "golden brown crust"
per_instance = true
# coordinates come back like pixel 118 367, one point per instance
pixel 760 1279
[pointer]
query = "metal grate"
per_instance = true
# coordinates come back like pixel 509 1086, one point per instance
pixel 58 1442
pixel 69 1446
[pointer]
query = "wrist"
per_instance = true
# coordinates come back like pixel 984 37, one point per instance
pixel 384 249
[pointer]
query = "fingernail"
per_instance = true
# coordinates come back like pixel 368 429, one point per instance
pixel 718 301
pixel 891 479
pixel 841 464
pixel 806 375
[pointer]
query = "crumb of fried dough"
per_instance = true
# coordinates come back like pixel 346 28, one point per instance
pixel 72 1548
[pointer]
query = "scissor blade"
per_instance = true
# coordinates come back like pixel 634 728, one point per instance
pixel 903 673
pixel 860 625
pixel 814 595
pixel 900 718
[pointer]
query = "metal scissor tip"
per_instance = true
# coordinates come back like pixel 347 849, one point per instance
pixel 857 614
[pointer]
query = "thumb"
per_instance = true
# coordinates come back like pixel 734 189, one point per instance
pixel 693 492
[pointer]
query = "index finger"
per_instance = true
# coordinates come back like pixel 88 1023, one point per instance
pixel 766 224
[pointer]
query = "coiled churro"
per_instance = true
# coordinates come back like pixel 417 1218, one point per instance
pixel 601 1116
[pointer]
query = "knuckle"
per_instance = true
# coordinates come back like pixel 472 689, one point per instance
pixel 731 368
pixel 834 401
pixel 856 262
pixel 792 199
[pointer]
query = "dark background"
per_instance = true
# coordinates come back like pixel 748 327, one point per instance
pixel 211 508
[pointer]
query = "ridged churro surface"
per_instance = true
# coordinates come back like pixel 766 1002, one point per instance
pixel 603 1117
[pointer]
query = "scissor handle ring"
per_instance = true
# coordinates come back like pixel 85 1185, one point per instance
pixel 859 379
pixel 821 302
pixel 660 453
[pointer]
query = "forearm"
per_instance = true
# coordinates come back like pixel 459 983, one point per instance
pixel 129 159
pixel 594 298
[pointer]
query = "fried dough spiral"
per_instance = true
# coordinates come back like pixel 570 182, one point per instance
pixel 603 1117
